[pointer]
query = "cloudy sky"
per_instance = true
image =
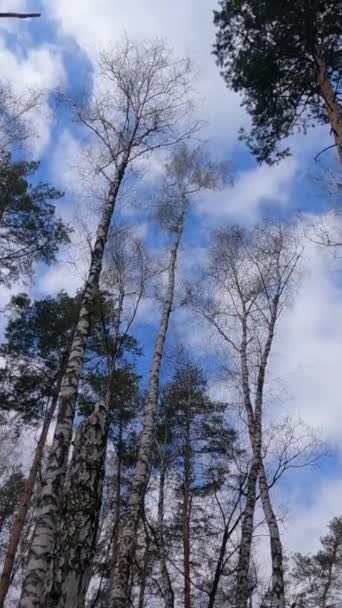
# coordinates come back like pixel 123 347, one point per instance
pixel 59 50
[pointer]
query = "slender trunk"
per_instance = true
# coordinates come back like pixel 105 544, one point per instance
pixel 25 503
pixel 166 586
pixel 142 590
pixel 120 583
pixel 228 531
pixel 327 92
pixel 187 507
pixel 47 519
pixel 218 569
pixel 278 589
pixel 117 512
pixel 76 540
pixel 242 592
pixel 278 597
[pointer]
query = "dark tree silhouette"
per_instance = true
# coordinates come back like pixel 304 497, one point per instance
pixel 19 15
pixel 285 59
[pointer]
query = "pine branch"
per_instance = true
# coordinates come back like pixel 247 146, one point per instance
pixel 20 15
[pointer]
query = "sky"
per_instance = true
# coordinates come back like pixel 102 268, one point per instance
pixel 59 51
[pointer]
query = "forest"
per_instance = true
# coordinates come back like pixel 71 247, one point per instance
pixel 170 296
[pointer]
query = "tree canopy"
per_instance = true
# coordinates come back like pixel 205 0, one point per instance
pixel 30 232
pixel 284 57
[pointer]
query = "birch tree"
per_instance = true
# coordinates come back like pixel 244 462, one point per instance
pixel 113 389
pixel 187 172
pixel 137 107
pixel 37 339
pixel 250 275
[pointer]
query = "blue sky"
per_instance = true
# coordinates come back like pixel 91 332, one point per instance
pixel 59 50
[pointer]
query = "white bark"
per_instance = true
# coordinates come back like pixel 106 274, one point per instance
pixel 120 583
pixel 47 518
pixel 278 597
pixel 242 591
pixel 76 541
pixel 165 582
pixel 254 417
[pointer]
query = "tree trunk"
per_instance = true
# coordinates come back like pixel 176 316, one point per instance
pixel 120 583
pixel 187 507
pixel 20 518
pixel 142 590
pixel 47 518
pixel 255 433
pixel 76 541
pixel 278 596
pixel 221 559
pixel 242 592
pixel 117 513
pixel 328 95
pixel 166 586
pixel 278 590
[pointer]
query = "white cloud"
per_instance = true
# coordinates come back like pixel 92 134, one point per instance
pixel 37 69
pixel 308 519
pixel 188 28
pixel 252 188
pixel 63 276
pixel 309 347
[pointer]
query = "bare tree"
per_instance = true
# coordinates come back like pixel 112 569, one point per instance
pixel 187 172
pixel 123 280
pixel 249 276
pixel 138 106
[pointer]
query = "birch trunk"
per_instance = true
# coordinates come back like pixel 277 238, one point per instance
pixel 278 597
pixel 166 587
pixel 120 584
pixel 117 513
pixel 187 507
pixel 43 536
pixel 278 592
pixel 76 543
pixel 20 518
pixel 328 95
pixel 242 592
pixel 142 590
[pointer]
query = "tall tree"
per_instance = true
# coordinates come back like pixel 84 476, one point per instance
pixel 187 172
pixel 143 94
pixel 251 273
pixel 285 59
pixel 201 444
pixel 107 398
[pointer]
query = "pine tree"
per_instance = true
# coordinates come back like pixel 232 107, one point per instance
pixel 202 445
pixel 285 59
pixel 30 232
